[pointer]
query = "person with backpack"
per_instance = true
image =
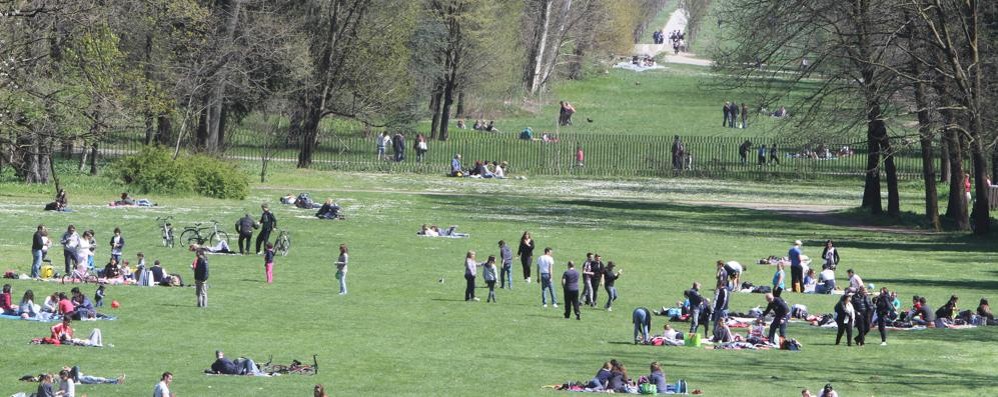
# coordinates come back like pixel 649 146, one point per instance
pixel 267 224
pixel 244 227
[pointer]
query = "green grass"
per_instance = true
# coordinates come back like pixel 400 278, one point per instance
pixel 401 331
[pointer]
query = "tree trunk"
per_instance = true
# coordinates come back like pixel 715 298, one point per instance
pixel 435 108
pixel 147 74
pixel 956 207
pixel 309 136
pixel 944 171
pixel 67 148
pixel 450 84
pixel 201 136
pixel 164 127
pixel 459 113
pixel 551 61
pixel 928 168
pixel 216 101
pixel 871 190
pixel 539 48
pixel 93 158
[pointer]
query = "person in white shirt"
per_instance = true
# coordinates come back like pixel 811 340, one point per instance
pixel 545 265
pixel 854 281
pixel 162 388
pixel 67 388
pixel 826 281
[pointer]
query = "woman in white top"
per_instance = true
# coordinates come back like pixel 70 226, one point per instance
pixel 845 317
pixel 500 171
pixel 84 251
pixel 341 269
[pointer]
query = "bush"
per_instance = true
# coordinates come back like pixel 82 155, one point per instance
pixel 154 170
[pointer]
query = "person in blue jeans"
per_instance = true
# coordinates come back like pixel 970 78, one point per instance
pixel 37 251
pixel 610 277
pixel 545 264
pixel 642 324
pixel 506 271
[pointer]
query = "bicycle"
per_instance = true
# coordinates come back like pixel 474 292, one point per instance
pixel 166 229
pixel 79 277
pixel 199 235
pixel 283 243
pixel 296 367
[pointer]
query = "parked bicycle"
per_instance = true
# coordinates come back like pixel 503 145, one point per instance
pixel 296 367
pixel 283 243
pixel 166 229
pixel 77 276
pixel 200 235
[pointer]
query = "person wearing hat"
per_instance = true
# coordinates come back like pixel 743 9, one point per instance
pixel 245 226
pixel 267 224
pixel 796 268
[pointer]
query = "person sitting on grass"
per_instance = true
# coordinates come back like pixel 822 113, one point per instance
pixel 826 281
pixel 984 310
pixel 242 366
pixel 527 134
pixel 6 303
pixel 329 210
pixel 657 377
pixel 602 378
pixel 500 169
pixel 83 308
pixel 111 270
pixel 28 308
pixel 722 334
pixel 455 166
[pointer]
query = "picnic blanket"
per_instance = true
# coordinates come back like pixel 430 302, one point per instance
pixel 52 318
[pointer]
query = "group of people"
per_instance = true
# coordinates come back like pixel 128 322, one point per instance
pixel 732 112
pixel 579 286
pixel 397 144
pixel 68 379
pixel 613 377
pixel 676 37
pixel 75 306
pixel 565 112
pixel 480 125
pixel 682 158
pixel 481 168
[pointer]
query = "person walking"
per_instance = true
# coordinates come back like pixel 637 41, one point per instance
pixel 420 146
pixel 864 311
pixel 506 271
pixel 845 317
pixel 774 154
pixel 610 276
pixel 885 309
pixel 70 244
pixel 200 267
pixel 781 316
pixel 489 274
pixel 743 151
pixel 678 153
pixel 267 224
pixel 727 117
pixel 268 263
pixel 796 268
pixel 470 271
pixel 244 227
pixel 398 143
pixel 744 115
pixel 587 279
pixel 545 265
pixel 597 268
pixel 162 388
pixel 570 285
pixel 341 268
pixel 641 317
pixel 526 254
pixel 381 142
pixel 762 154
pixel 37 251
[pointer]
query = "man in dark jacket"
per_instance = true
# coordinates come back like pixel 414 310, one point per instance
pixel 726 109
pixel 743 151
pixel 596 266
pixel 781 315
pixel 733 113
pixel 721 305
pixel 37 251
pixel 696 306
pixel 267 222
pixel 398 143
pixel 864 314
pixel 245 226
pixel 885 308
pixel 200 278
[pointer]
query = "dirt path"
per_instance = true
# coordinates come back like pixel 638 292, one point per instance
pixel 677 21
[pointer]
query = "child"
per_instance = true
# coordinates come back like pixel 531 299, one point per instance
pixel 5 301
pixel 117 245
pixel 99 296
pixel 489 273
pixel 268 261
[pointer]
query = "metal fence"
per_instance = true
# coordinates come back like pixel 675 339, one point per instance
pixel 603 155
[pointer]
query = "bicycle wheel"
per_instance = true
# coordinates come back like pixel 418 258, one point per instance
pixel 306 371
pixel 90 278
pixel 191 236
pixel 283 245
pixel 219 236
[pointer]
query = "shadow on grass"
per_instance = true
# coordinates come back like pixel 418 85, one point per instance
pixel 950 284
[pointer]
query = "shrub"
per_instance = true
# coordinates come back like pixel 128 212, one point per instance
pixel 153 169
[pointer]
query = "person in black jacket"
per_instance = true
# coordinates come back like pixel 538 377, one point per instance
pixel 743 151
pixel 200 277
pixel 829 256
pixel 245 226
pixel 781 315
pixel 267 222
pixel 37 251
pixel 526 254
pixel 696 306
pixel 596 266
pixel 884 308
pixel 721 305
pixel 864 313
pixel 845 316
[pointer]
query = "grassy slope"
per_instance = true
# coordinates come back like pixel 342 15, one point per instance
pixel 400 331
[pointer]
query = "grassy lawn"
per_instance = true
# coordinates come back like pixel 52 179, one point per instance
pixel 403 331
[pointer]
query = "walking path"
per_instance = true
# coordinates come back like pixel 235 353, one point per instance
pixel 677 21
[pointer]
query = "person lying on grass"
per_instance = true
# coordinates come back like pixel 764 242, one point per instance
pixel 242 366
pixel 329 210
pixel 79 378
pixel 221 248
pixel 62 334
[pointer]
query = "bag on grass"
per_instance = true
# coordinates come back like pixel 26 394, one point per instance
pixel 648 388
pixel 692 340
